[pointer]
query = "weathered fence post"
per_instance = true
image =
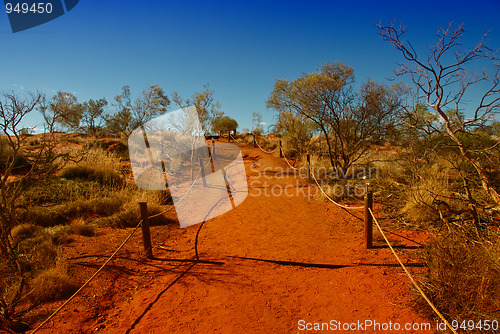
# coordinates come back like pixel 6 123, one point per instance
pixel 213 149
pixel 203 173
pixel 146 234
pixel 308 166
pixel 254 141
pixel 281 150
pixel 368 219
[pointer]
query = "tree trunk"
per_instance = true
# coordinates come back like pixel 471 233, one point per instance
pixel 483 177
pixel 329 146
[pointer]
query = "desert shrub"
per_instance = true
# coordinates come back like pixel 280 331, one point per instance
pixel 42 254
pixel 80 227
pixel 267 143
pixel 94 144
pixel 463 279
pixel 246 139
pixel 7 154
pixel 23 231
pixel 59 234
pixel 97 165
pixel 103 176
pixel 55 190
pixel 117 147
pixel 52 284
pixel 129 214
pixel 73 140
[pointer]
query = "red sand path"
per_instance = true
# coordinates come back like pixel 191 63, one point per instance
pixel 229 294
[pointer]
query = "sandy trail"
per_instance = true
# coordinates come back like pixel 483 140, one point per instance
pixel 266 265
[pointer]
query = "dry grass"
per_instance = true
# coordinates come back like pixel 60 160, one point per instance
pixel 43 255
pixel 98 165
pixel 52 284
pixel 23 231
pixel 463 280
pixel 129 214
pixel 246 139
pixel 80 227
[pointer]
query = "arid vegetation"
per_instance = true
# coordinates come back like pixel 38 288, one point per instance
pixel 436 153
pixel 437 163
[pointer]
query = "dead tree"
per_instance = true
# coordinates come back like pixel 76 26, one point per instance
pixel 443 78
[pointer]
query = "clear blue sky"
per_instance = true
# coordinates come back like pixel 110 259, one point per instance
pixel 239 47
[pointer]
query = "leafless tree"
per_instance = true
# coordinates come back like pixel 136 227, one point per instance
pixel 21 164
pixel 444 80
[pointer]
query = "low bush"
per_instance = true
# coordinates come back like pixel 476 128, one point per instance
pixel 80 227
pixel 98 165
pixel 51 285
pixel 463 280
pixel 23 231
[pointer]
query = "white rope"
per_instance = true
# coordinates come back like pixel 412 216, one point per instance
pixel 410 276
pixel 289 163
pixel 109 259
pixel 269 152
pixel 184 196
pixel 88 281
pixel 331 200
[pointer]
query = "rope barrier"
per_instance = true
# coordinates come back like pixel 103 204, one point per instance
pixel 88 281
pixel 109 259
pixel 268 152
pixel 284 156
pixel 410 276
pixel 331 200
pixel 386 240
pixel 184 196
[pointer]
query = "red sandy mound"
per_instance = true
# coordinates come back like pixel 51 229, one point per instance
pixel 264 266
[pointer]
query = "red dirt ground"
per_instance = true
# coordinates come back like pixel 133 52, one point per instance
pixel 234 288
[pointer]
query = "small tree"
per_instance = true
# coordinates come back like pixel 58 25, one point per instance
pixel 224 124
pixel 208 109
pixel 20 165
pixel 131 114
pixel 443 80
pixel 92 115
pixel 297 129
pixel 62 109
pixel 257 123
pixel 349 123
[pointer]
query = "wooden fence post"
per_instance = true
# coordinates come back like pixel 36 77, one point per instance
pixel 146 234
pixel 213 149
pixel 368 219
pixel 308 166
pixel 281 150
pixel 203 173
